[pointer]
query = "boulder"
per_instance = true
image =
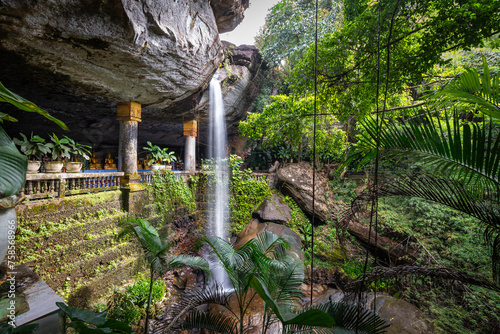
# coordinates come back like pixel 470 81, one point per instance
pixel 404 317
pixel 296 180
pixel 273 209
pixel 253 228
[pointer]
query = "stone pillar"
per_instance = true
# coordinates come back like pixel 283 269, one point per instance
pixel 190 132
pixel 129 115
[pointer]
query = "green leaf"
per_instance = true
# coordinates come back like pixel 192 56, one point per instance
pixel 313 317
pixel 13 166
pixel 23 104
pixel 87 316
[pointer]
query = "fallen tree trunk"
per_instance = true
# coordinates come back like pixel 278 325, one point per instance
pixel 295 180
pixel 396 252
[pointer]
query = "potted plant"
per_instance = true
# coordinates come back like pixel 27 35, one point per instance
pixel 76 150
pixel 35 149
pixel 169 157
pixel 59 149
pixel 158 155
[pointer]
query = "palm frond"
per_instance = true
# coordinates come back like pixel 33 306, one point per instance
pixel 468 152
pixel 349 318
pixel 153 246
pixel 214 322
pixel 201 296
pixel 284 284
pixel 190 261
pixel 471 87
pixel 235 262
pixel 271 245
pixel 23 104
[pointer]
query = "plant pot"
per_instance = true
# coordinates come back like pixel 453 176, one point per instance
pixel 74 167
pixel 157 167
pixel 33 166
pixel 53 166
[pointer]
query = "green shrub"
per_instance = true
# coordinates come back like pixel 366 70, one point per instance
pixel 130 305
pixel 170 193
pixel 246 193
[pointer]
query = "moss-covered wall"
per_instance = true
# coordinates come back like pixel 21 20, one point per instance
pixel 73 245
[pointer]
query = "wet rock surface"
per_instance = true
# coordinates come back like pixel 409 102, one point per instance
pixel 253 228
pixel 296 180
pixel 273 209
pixel 404 317
pixel 239 85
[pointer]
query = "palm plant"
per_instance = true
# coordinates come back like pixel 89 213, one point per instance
pixel 259 267
pixel 158 154
pixel 59 148
pixel 34 147
pixel 76 149
pixel 156 251
pixel 464 158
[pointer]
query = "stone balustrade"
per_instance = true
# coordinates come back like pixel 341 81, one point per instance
pixel 46 185
pixel 147 176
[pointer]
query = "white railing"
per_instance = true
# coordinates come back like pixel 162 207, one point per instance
pixel 44 185
pixel 147 176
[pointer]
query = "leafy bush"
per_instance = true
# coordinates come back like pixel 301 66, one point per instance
pixel 130 305
pixel 246 193
pixel 170 193
pixel 451 239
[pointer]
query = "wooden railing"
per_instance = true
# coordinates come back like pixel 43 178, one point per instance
pixel 44 185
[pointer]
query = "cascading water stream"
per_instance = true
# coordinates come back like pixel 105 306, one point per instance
pixel 218 216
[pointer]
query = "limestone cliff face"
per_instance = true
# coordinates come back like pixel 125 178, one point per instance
pixel 149 51
pixel 78 58
pixel 229 13
pixel 239 84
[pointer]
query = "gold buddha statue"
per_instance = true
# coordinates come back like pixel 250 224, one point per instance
pixel 94 162
pixel 147 163
pixel 139 165
pixel 109 162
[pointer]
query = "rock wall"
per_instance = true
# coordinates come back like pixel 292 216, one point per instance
pixel 73 245
pixel 78 58
pixel 239 84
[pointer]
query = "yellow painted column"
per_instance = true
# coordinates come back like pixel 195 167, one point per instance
pixel 129 115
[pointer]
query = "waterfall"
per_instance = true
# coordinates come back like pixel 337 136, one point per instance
pixel 218 210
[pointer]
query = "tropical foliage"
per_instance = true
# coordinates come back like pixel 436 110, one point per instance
pixel 34 147
pixel 246 192
pixel 12 163
pixel 288 123
pixel 158 154
pixel 290 29
pixel 88 322
pixel 156 251
pixel 262 267
pixel 462 156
